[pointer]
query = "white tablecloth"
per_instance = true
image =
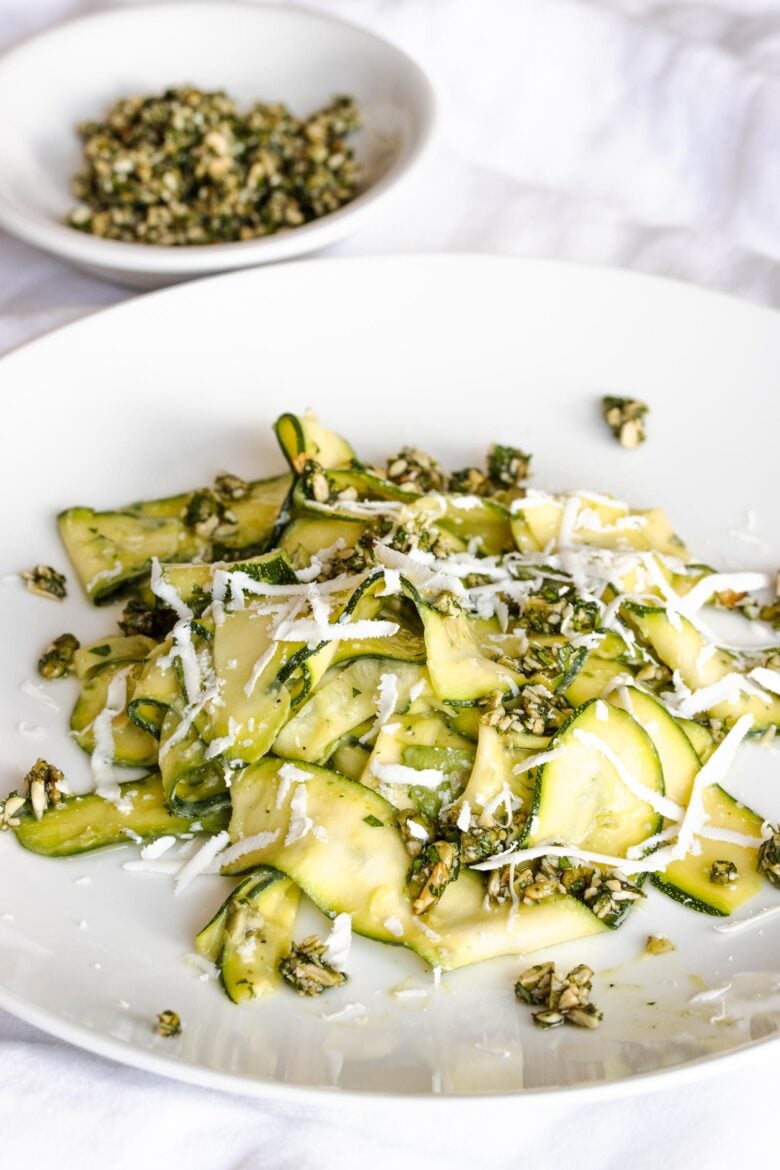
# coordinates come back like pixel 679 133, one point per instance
pixel 643 133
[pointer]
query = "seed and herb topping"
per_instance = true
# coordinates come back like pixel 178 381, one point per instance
pixel 431 872
pixel 168 1024
pixel 507 467
pixel 607 894
pixel 769 858
pixel 562 1000
pixel 306 969
pixel 57 659
pixel 188 167
pixel 723 872
pixel 45 786
pixel 415 469
pixel 657 944
pixel 10 808
pixel 46 582
pixel 625 417
pixel 152 621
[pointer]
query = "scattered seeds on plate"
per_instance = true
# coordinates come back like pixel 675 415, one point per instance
pixel 625 417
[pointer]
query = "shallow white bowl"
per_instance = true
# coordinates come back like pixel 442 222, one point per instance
pixel 73 71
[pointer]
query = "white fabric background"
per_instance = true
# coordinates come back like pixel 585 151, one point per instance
pixel 643 133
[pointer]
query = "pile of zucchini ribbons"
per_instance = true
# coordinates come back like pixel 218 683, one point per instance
pixel 470 715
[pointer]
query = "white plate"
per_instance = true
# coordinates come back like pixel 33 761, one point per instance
pixel 255 52
pixel 450 353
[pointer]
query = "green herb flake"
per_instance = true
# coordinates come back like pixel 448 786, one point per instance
pixel 101 651
pixel 374 822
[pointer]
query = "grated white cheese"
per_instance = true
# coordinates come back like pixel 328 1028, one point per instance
pixel 537 760
pixel 386 702
pixel 400 774
pixel 104 575
pixel 394 926
pixel 392 583
pixel 345 1013
pixel 730 836
pixel 710 994
pixel 300 824
pixel 31 730
pixel 258 669
pixel 39 694
pixel 766 678
pixel 167 593
pixel 660 804
pixel 313 632
pixel 245 845
pixel 289 775
pixel 102 758
pixel 165 866
pixel 338 942
pixel 757 918
pixel 464 817
pixel 223 742
pixel 416 830
pixel 726 690
pixel 703 590
pixel 156 848
pixel 202 861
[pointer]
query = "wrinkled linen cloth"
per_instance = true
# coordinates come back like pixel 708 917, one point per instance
pixel 640 133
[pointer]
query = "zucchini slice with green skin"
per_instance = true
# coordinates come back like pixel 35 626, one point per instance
pixel 420 742
pixel 601 524
pixel 465 517
pixel 250 934
pixel 688 881
pixel 193 583
pixel 581 797
pixel 339 705
pixel 80 824
pixel 679 761
pixel 156 689
pixel 493 771
pixel 112 551
pixel 350 758
pixel 133 747
pixel 251 706
pixel 682 649
pixel 592 679
pixel 309 535
pixel 359 866
pixel 460 673
pixel 302 437
pixel 701 738
pixel 110 652
pixel 405 646
pixel 194 785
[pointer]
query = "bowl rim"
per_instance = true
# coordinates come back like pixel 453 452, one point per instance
pixel 119 255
